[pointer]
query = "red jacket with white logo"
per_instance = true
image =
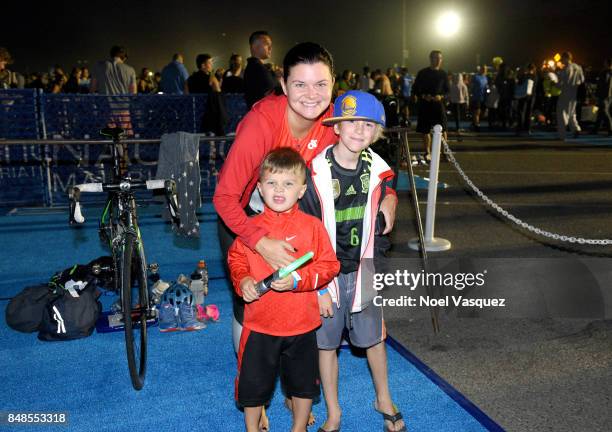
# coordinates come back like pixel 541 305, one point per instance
pixel 262 130
pixel 294 312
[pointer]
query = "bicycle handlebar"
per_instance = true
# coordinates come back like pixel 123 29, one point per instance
pixel 156 184
pixel 76 216
pixel 90 187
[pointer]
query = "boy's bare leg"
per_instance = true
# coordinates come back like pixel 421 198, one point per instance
pixel 301 410
pixel 377 359
pixel 328 369
pixel 289 406
pixel 251 418
pixel 264 423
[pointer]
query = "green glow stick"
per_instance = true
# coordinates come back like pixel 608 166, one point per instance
pixel 264 286
pixel 285 271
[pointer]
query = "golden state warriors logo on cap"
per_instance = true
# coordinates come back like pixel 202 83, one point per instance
pixel 349 106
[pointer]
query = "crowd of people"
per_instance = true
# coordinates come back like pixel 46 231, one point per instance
pixel 508 98
pixel 172 79
pixel 272 209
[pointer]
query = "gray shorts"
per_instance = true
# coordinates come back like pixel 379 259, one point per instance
pixel 365 328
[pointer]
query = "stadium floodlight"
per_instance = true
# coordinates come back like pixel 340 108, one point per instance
pixel 448 24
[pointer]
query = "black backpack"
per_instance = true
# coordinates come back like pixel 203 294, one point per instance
pixel 67 317
pixel 24 312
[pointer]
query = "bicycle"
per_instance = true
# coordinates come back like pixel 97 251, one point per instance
pixel 119 228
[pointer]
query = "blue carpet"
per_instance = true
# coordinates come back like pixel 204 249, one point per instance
pixel 189 383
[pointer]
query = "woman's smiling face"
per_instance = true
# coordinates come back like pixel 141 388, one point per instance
pixel 309 89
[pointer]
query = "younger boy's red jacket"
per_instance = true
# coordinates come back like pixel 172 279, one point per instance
pixel 294 312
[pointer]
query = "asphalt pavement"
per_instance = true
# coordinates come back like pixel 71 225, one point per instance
pixel 528 373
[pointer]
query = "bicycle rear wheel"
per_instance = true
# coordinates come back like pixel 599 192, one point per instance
pixel 134 278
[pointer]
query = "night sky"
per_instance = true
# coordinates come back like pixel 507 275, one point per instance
pixel 355 32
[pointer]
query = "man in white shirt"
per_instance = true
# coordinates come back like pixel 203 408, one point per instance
pixel 114 76
pixel 569 79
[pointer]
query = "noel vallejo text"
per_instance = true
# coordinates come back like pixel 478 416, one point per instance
pixel 411 280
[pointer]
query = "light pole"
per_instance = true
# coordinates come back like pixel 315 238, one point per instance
pixel 405 52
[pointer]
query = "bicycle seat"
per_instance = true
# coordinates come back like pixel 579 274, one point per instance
pixel 114 133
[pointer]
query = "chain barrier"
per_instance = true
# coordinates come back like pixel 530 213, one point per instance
pixel 538 231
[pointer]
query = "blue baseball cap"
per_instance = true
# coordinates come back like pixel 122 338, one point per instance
pixel 357 105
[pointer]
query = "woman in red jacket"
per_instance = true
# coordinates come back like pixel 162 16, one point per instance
pixel 290 120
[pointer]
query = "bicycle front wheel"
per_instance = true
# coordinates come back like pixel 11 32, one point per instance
pixel 135 305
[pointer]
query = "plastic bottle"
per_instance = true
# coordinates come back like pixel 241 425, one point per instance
pixel 158 289
pixel 199 282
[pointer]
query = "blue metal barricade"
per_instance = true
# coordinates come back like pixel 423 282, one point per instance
pixel 76 116
pixel 31 114
pixel 19 116
pixel 41 174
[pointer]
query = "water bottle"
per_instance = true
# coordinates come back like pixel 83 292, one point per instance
pixel 199 282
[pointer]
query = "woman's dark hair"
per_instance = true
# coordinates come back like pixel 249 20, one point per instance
pixel 308 53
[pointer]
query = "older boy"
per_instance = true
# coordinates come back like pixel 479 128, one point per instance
pixel 349 182
pixel 279 326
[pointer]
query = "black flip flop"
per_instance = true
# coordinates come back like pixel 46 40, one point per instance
pixel 392 418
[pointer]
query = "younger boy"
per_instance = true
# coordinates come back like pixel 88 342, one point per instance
pixel 279 326
pixel 349 183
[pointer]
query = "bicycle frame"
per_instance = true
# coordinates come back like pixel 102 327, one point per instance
pixel 119 227
pixel 120 209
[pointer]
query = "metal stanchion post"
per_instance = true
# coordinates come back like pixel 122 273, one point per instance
pixel 432 243
pixel 434 310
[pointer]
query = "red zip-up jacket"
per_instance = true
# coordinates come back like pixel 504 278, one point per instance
pixel 262 130
pixel 294 312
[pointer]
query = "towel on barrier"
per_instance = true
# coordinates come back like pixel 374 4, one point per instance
pixel 179 160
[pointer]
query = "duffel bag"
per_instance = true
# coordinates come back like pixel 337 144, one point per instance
pixel 24 312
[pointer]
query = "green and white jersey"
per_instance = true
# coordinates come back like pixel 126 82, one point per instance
pixel 350 189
